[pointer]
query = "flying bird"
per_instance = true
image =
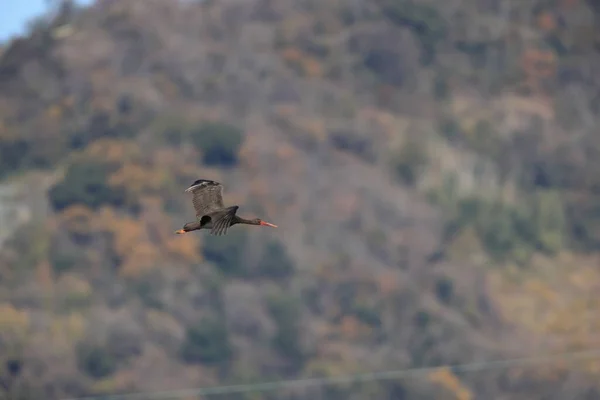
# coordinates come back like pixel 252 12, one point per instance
pixel 210 211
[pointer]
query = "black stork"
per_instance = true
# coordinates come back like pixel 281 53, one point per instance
pixel 210 211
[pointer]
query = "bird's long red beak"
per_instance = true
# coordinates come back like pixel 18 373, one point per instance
pixel 263 223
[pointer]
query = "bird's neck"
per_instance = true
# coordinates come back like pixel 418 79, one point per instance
pixel 240 220
pixel 191 226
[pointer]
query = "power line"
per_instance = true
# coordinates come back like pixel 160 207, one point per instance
pixel 363 377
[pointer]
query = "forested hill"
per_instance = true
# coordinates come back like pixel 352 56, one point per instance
pixel 433 167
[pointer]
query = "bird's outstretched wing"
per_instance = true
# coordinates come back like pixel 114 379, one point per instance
pixel 208 196
pixel 221 220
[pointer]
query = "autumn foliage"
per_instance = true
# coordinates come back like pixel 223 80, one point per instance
pixel 432 166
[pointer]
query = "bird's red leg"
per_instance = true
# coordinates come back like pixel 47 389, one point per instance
pixel 180 231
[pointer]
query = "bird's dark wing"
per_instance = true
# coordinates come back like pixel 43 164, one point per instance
pixel 208 196
pixel 222 220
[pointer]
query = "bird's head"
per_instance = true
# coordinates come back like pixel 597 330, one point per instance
pixel 258 221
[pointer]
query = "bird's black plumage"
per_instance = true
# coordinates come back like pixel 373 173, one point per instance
pixel 210 211
pixel 208 196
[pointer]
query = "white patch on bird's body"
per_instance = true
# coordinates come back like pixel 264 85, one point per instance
pixel 208 225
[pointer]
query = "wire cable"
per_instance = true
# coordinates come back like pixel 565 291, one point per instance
pixel 362 377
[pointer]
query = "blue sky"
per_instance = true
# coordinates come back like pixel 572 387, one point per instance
pixel 14 15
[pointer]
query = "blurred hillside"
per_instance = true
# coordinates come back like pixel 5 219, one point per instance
pixel 433 167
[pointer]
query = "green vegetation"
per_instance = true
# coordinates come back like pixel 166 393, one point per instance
pixel 218 142
pixel 275 262
pixel 32 244
pixel 408 162
pixel 13 155
pixel 171 129
pixel 285 311
pixel 509 232
pixel 101 125
pixel 86 183
pixel 64 258
pixel 227 252
pixel 62 262
pixel 206 342
pixel 356 143
pixel 18 155
pixel 96 361
pixel 368 315
pixel 422 19
pixel 123 342
pixel 149 287
pixel 444 289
